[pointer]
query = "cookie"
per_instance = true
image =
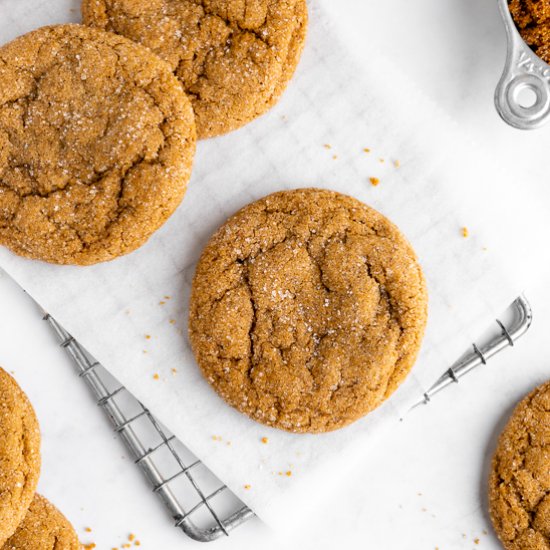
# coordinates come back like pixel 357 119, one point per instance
pixel 234 58
pixel 519 485
pixel 532 17
pixel 44 528
pixel 307 310
pixel 96 145
pixel 19 455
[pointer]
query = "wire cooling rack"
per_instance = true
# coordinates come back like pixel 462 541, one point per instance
pixel 200 504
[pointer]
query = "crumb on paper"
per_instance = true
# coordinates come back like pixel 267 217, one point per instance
pixel 172 321
pixel 162 303
pixel 288 473
pixel 131 537
pixel 137 543
pixel 381 160
pixel 247 486
pixel 327 146
pixel 334 157
pixel 88 529
pixel 485 532
pixel 366 150
pixel 424 509
pixel 228 443
pixel 144 351
pixel 216 438
pixel 396 163
pixel 476 541
pixel 264 440
pixel 174 370
pixel 167 297
pixel 465 232
pixel 148 337
pixel 374 181
pixel 89 546
pixel 156 376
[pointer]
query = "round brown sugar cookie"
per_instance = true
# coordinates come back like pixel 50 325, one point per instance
pixel 19 455
pixel 234 58
pixel 43 528
pixel 96 145
pixel 307 311
pixel 519 485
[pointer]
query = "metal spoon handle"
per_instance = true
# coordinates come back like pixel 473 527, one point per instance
pixel 523 71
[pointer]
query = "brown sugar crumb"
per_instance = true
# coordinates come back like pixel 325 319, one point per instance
pixel 131 537
pixel 172 321
pixel 334 157
pixel 156 376
pixel 144 351
pixel 167 297
pixel 162 303
pixel 465 233
pixel 88 529
pixel 327 146
pixel 396 163
pixel 476 541
pixel 247 487
pixel 216 438
pixel 366 150
pixel 174 371
pixel 148 337
pixel 381 160
pixel 288 473
pixel 374 181
pixel 264 440
pixel 89 546
pixel 137 543
pixel 126 545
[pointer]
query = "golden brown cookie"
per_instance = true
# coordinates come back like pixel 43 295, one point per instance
pixel 532 17
pixel 307 311
pixel 19 455
pixel 519 486
pixel 44 528
pixel 233 57
pixel 96 145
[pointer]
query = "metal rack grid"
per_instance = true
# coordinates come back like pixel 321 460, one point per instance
pixel 201 505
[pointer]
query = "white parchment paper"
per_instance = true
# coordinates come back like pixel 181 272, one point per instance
pixel 131 313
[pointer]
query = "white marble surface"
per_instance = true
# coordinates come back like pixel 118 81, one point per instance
pixel 422 487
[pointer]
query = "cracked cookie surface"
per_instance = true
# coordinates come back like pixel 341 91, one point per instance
pixel 97 142
pixel 19 455
pixel 43 528
pixel 307 311
pixel 234 58
pixel 519 485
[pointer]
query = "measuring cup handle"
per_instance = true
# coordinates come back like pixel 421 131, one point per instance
pixel 523 71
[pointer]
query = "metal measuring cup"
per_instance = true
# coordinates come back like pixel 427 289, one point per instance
pixel 523 71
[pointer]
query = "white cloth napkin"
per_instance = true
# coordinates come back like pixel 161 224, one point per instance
pixel 131 313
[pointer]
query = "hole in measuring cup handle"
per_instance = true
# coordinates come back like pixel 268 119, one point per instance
pixel 513 106
pixel 515 92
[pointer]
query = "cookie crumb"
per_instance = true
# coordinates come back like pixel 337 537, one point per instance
pixel 156 376
pixel 374 181
pixel 264 440
pixel 465 232
pixel 131 537
pixel 288 473
pixel 88 529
